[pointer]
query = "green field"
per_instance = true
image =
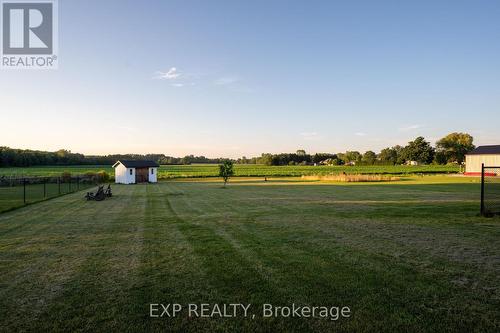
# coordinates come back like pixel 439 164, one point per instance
pixel 408 256
pixel 11 197
pixel 46 171
pixel 244 170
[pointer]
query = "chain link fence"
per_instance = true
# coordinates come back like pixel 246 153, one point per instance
pixel 490 190
pixel 19 191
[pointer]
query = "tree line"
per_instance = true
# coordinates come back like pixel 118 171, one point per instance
pixel 450 149
pixel 10 157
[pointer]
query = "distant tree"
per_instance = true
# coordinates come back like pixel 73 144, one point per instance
pixel 392 155
pixel 226 170
pixel 399 153
pixel 352 156
pixel 388 155
pixel 440 158
pixel 320 157
pixel 301 152
pixel 341 158
pixel 418 150
pixel 454 146
pixel 266 159
pixel 369 157
pixel 336 161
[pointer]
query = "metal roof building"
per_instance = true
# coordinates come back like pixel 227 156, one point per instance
pixel 487 155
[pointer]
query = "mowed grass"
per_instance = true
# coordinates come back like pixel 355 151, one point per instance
pixel 14 196
pixel 406 256
pixel 241 170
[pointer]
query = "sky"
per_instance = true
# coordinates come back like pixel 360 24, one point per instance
pixel 240 78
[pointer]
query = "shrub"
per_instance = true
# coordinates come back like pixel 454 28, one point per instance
pixel 103 176
pixel 66 176
pixel 90 177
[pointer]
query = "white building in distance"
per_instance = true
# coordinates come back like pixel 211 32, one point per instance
pixel 133 172
pixel 487 155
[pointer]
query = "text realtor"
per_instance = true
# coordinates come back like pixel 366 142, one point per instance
pixel 232 310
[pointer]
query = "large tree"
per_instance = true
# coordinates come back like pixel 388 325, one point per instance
pixel 369 157
pixel 388 155
pixel 392 155
pixel 418 150
pixel 454 146
pixel 352 156
pixel 266 159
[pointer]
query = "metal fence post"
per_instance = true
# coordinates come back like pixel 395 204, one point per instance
pixel 24 190
pixel 44 188
pixel 69 184
pixel 77 183
pixel 482 189
pixel 59 184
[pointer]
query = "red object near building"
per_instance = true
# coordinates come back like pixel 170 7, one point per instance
pixel 478 174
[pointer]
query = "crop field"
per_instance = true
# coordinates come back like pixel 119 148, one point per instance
pixel 243 170
pixel 248 170
pixel 408 256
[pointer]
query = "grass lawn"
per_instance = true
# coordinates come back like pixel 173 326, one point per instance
pixel 12 197
pixel 404 256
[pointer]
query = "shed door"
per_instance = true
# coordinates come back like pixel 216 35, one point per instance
pixel 141 175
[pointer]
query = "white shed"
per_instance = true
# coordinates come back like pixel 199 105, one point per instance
pixel 132 172
pixel 487 155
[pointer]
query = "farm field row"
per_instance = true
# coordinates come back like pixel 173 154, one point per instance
pixel 407 256
pixel 244 170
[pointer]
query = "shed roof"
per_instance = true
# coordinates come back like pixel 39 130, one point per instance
pixel 486 150
pixel 137 164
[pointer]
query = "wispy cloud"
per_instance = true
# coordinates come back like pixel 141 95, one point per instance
pixel 360 134
pixel 233 83
pixel 410 128
pixel 178 79
pixel 171 74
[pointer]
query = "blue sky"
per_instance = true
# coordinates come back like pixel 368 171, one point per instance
pixel 234 78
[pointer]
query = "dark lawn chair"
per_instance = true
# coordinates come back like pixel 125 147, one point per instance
pixel 98 196
pixel 108 191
